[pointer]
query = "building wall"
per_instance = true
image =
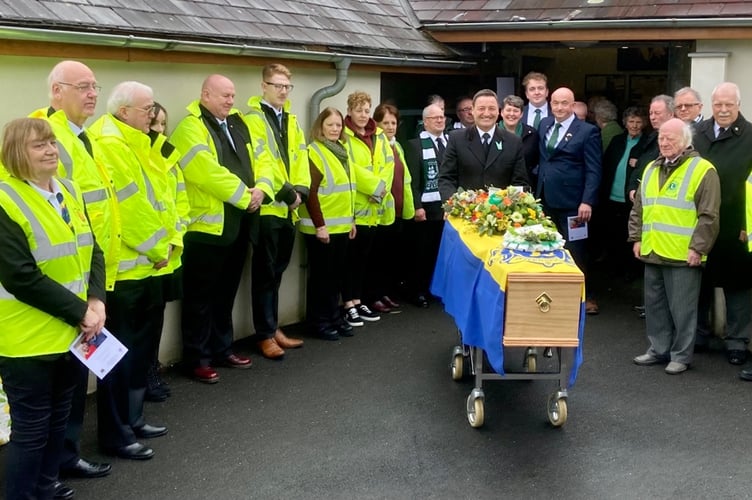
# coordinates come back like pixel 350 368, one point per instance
pixel 716 61
pixel 176 84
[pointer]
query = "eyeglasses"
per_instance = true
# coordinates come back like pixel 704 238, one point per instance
pixel 687 106
pixel 151 108
pixel 435 117
pixel 465 110
pixel 279 87
pixel 83 87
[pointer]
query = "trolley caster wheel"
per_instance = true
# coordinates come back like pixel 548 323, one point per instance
pixel 531 363
pixel 475 411
pixel 457 366
pixel 557 411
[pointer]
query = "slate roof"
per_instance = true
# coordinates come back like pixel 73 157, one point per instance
pixel 480 11
pixel 370 27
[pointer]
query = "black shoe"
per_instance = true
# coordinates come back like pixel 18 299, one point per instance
pixel 746 374
pixel 328 334
pixel 86 470
pixel 62 491
pixel 736 356
pixel 421 301
pixel 135 451
pixel 150 431
pixel 345 330
pixel 156 395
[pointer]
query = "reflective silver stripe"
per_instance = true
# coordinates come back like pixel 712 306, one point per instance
pixel 389 203
pixel 95 196
pixel 209 219
pixel 362 213
pixel 127 192
pixel 150 195
pixel 278 204
pixel 330 187
pixel 303 147
pixel 238 195
pixel 45 249
pixel 152 241
pixel 379 188
pixel 388 157
pixel 77 286
pixel 127 265
pixel 269 134
pixel 68 185
pixel 668 228
pixel 65 158
pixel 84 239
pixel 329 221
pixel 192 153
pixel 181 186
pixel 340 188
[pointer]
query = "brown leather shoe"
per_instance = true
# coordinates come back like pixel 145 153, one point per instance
pixel 591 307
pixel 286 342
pixel 269 349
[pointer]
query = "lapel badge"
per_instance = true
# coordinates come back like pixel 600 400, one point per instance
pixel 498 145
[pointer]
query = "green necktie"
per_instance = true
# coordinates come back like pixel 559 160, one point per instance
pixel 551 145
pixel 536 120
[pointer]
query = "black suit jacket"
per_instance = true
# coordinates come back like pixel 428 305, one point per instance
pixel 466 165
pixel 414 159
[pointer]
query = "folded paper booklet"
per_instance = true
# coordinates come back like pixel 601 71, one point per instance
pixel 100 353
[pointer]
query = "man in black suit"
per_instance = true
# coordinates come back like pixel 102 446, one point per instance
pixel 424 156
pixel 569 175
pixel 536 91
pixel 484 155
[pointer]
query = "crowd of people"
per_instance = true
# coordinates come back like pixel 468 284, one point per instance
pixel 106 223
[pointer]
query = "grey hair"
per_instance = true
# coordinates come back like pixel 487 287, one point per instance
pixel 513 100
pixel 425 110
pixel 605 111
pixel 122 95
pixel 734 86
pixel 687 135
pixel 666 99
pixel 688 90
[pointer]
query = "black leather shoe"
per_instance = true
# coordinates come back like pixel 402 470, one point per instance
pixel 150 431
pixel 736 356
pixel 63 492
pixel 746 374
pixel 328 334
pixel 135 451
pixel 345 330
pixel 86 470
pixel 156 395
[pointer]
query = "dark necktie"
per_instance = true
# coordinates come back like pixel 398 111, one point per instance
pixel 87 143
pixel 486 142
pixel 551 145
pixel 223 126
pixel 64 210
pixel 440 146
pixel 721 130
pixel 537 119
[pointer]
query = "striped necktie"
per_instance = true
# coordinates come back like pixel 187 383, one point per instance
pixel 64 210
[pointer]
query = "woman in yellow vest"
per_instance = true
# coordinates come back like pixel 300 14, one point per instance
pixel 327 221
pixel 51 286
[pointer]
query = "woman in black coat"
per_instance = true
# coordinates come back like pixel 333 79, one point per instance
pixel 511 114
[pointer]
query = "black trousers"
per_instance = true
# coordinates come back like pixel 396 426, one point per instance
pixel 135 315
pixel 71 451
pixel 424 239
pixel 326 271
pixel 386 268
pixel 211 276
pixel 39 391
pixel 359 256
pixel 269 261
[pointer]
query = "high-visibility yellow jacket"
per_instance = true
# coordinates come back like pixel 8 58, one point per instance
pixel 96 186
pixel 140 188
pixel 408 204
pixel 208 184
pixel 272 176
pixel 177 209
pixel 62 254
pixel 373 175
pixel 336 193
pixel 669 214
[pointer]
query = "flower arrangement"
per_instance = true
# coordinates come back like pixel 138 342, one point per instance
pixel 535 238
pixel 497 210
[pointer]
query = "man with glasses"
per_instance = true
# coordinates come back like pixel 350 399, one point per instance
pixel 73 92
pixel 135 307
pixel 282 173
pixel 216 163
pixel 464 110
pixel 688 106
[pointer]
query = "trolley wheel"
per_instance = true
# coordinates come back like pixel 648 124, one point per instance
pixel 557 411
pixel 458 366
pixel 531 363
pixel 475 411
